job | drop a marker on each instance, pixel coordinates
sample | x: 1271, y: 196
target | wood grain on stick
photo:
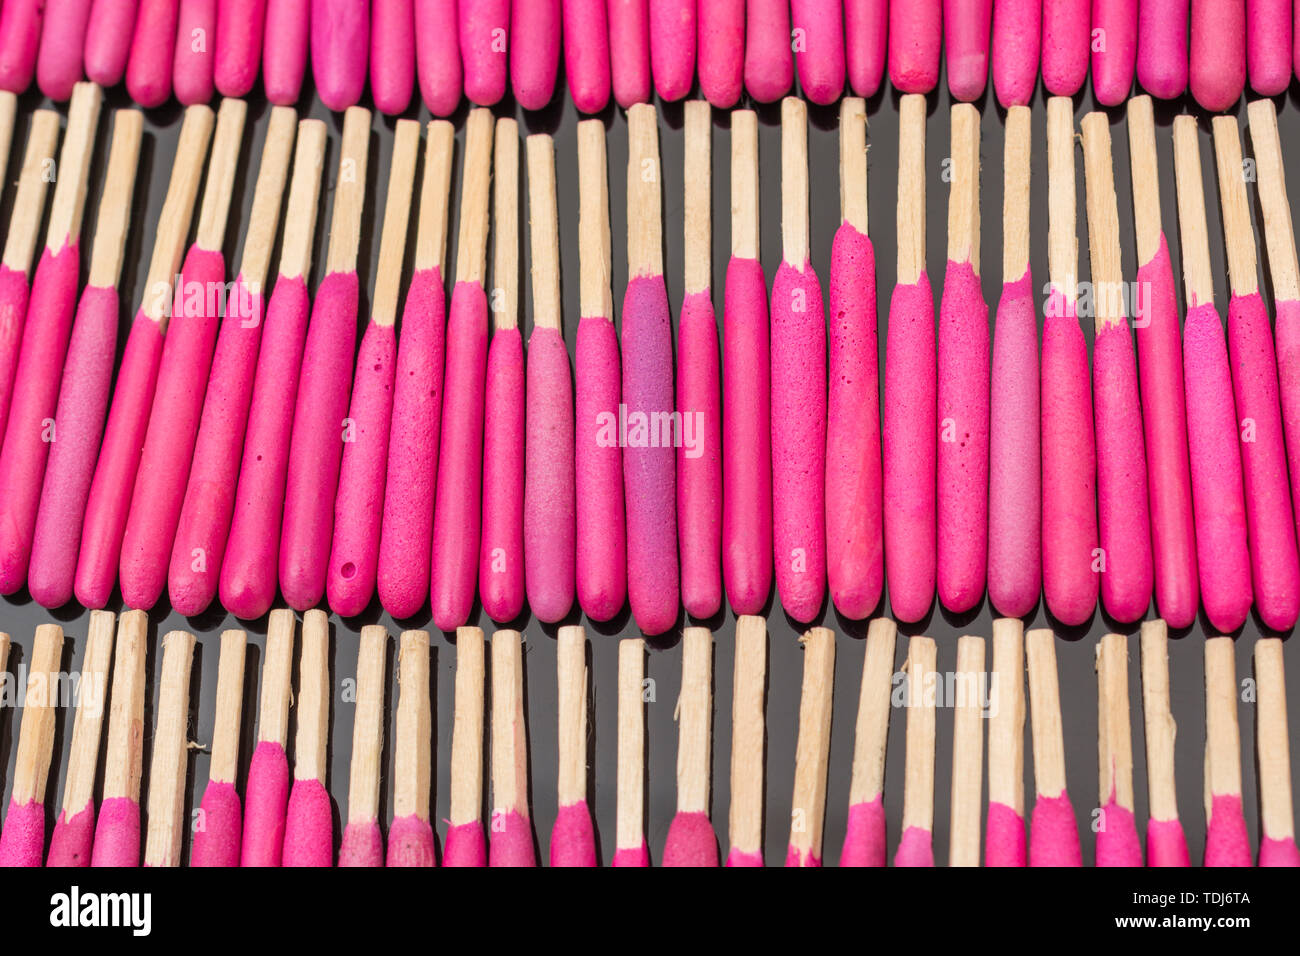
x: 467, y: 729
x: 1271, y: 740
x: 1016, y: 151
x: 69, y: 203
x: 967, y: 754
x: 794, y: 182
x: 1114, y: 729
x: 964, y: 191
x: 40, y: 717
x: 695, y: 721
x: 697, y: 215
x: 509, y: 725
x: 475, y: 192
x: 368, y: 725
x: 1222, y: 736
x: 8, y: 111
x: 277, y: 677
x: 544, y: 233
x: 1062, y: 199
x: 744, y: 184
x: 1007, y: 715
x: 349, y: 193
x: 223, y: 164
x: 911, y: 188
x: 1146, y: 177
x: 33, y: 181
x: 268, y: 195
x: 571, y: 697
x: 304, y: 198
x: 853, y: 163
x: 871, y: 734
x: 1045, y: 713
x: 505, y: 227
x: 1158, y: 719
x: 1271, y: 186
x: 435, y: 187
x: 311, y: 742
x: 1238, y: 234
x: 397, y: 212
x: 170, y: 757
x: 1194, y: 236
x: 812, y: 749
x: 644, y: 219
x: 1103, y: 221
x: 113, y: 219
x: 412, y: 756
x: 92, y: 698
x: 595, y: 294
x: 918, y: 768
x: 748, y: 722
x: 124, y: 752
x: 629, y: 828
x: 224, y: 765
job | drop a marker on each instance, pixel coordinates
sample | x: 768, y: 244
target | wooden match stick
x: 363, y: 843
x: 911, y: 189
x: 69, y: 201
x: 629, y: 837
x: 309, y: 821
x: 1283, y: 265
x: 812, y: 750
x: 75, y: 827
x: 964, y: 192
x: 23, y: 839
x: 217, y: 842
x: 113, y: 217
x: 512, y: 832
x: 125, y: 431
x: 170, y: 756
x: 268, y: 774
x: 691, y: 840
x: 1226, y: 839
x: 1103, y: 221
x: 1277, y: 845
x: 967, y: 754
x: 410, y: 838
x: 748, y: 720
x: 8, y: 111
x: 465, y: 844
x: 1062, y: 200
x: 1053, y: 832
x: 853, y: 163
x: 358, y: 509
x: 1015, y: 194
x: 595, y: 293
x: 1005, y: 840
x: 1117, y: 839
x: 573, y: 841
x: 1198, y: 277
x: 501, y: 554
x: 117, y: 827
x: 1166, y: 844
x: 1239, y: 234
x: 915, y: 848
x: 864, y: 841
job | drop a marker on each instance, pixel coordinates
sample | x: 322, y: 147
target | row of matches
x: 287, y: 819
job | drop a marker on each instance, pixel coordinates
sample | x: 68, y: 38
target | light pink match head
x: 915, y: 848
x: 511, y: 843
x: 410, y: 842
x: 465, y: 845
x: 73, y: 838
x: 631, y: 856
x: 363, y: 845
x: 217, y: 843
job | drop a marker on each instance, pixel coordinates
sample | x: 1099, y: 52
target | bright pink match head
x: 73, y: 838
x: 573, y: 840
x: 22, y: 842
x: 465, y: 845
x: 217, y: 842
x: 410, y: 842
x: 1226, y: 840
x: 363, y: 845
x: 309, y: 826
x: 864, y: 839
x: 1004, y: 839
x: 512, y: 840
x: 266, y: 797
x: 117, y: 833
x: 1166, y: 844
x: 691, y: 841
x: 1053, y: 833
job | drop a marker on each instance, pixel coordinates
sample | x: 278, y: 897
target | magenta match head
x: 866, y: 31
x: 392, y: 55
x: 915, y: 848
x: 192, y: 69
x: 573, y: 840
x: 73, y: 838
x: 284, y: 56
x: 1226, y: 840
x: 549, y: 503
x: 864, y: 840
x: 722, y: 51
x: 821, y: 60
x: 1268, y: 45
x: 915, y: 43
x: 22, y: 842
x: 1117, y: 840
x: 58, y: 65
x: 1166, y: 844
x: 266, y: 796
x: 363, y: 845
x: 631, y: 856
x: 1274, y: 852
x: 484, y: 49
x: 1066, y: 45
x: 1162, y: 47
x: 741, y: 858
x: 437, y: 55
x: 535, y: 52
x: 1053, y: 833
x: 1218, y: 58
x: 117, y: 833
x: 340, y: 45
x: 14, y: 290
x: 501, y: 583
x: 1017, y: 39
x: 769, y: 61
x: 108, y: 40
x: 20, y: 31
x: 153, y: 48
x: 512, y: 840
x: 309, y: 826
x: 1112, y: 66
x: 629, y: 51
x: 410, y: 842
x: 239, y: 45
x: 465, y: 845
x: 966, y: 47
x: 691, y: 841
x: 699, y: 457
x: 1004, y: 839
x: 672, y: 47
x: 217, y: 842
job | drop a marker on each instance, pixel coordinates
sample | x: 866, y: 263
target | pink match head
x: 744, y: 858
x: 363, y: 845
x: 1226, y: 840
x: 1053, y: 833
x: 410, y: 842
x: 266, y: 796
x: 73, y: 838
x: 117, y: 833
x: 309, y: 826
x: 864, y: 839
x: 216, y: 843
x: 22, y: 842
x: 1117, y: 840
x: 1004, y: 840
x: 915, y: 848
x: 1274, y: 852
x: 512, y: 840
x: 631, y: 856
x: 691, y: 841
x: 1166, y: 844
x: 465, y: 845
x: 573, y: 840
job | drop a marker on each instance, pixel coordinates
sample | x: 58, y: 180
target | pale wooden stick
x: 1103, y: 221
x: 1278, y: 232
x: 967, y: 755
x: 794, y: 182
x: 1016, y: 150
x: 1159, y: 721
x: 812, y: 750
x: 264, y: 216
x: 224, y: 765
x: 412, y: 760
x: 304, y: 198
x: 509, y: 726
x: 853, y: 163
x: 40, y: 704
x: 277, y: 679
x: 1007, y: 715
x: 871, y: 735
x: 4, y: 638
x: 964, y: 192
x: 571, y: 678
x: 467, y: 730
x: 1062, y: 202
x: 113, y: 219
x: 124, y: 754
x: 629, y: 828
x: 8, y: 111
x: 1222, y: 738
x: 695, y: 721
x: 1045, y: 708
x: 744, y: 184
x: 167, y: 764
x: 1198, y: 278
x: 431, y: 239
x: 1146, y: 177
x: 92, y: 695
x: 475, y: 191
x: 644, y: 225
x: 505, y: 227
x: 311, y: 743
x: 918, y: 768
x: 1114, y: 730
x: 177, y: 212
x: 911, y: 188
x: 69, y: 201
x: 222, y: 166
x: 595, y: 295
x: 697, y: 267
x: 349, y: 193
x: 29, y: 202
x: 1238, y: 234
x: 397, y: 211
x: 544, y: 233
x: 747, y: 734
x: 368, y: 726
x: 1271, y: 741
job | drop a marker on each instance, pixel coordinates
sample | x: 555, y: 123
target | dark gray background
x: 19, y: 615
